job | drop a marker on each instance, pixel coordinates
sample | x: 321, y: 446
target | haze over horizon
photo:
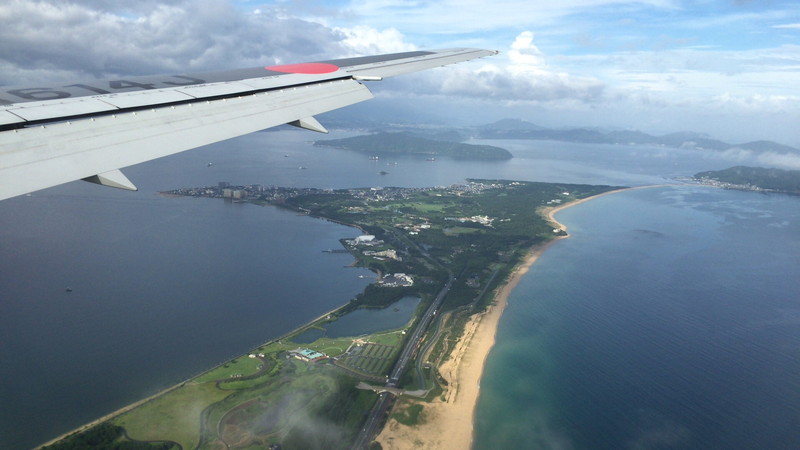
x: 728, y: 68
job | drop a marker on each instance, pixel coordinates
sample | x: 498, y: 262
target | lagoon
x: 364, y: 321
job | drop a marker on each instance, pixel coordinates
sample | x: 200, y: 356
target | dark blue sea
x: 110, y: 296
x: 670, y: 319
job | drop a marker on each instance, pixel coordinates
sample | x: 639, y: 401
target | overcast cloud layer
x: 727, y: 67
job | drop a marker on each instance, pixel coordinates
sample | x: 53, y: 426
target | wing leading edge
x: 53, y: 135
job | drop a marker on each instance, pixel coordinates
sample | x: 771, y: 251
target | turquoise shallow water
x: 670, y: 319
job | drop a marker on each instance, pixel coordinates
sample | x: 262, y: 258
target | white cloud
x: 737, y: 155
x: 364, y: 40
x: 524, y: 79
x: 780, y: 160
x: 170, y: 37
x: 524, y: 56
x: 550, y: 70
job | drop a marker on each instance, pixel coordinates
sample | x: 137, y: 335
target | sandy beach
x: 448, y: 423
x: 463, y: 372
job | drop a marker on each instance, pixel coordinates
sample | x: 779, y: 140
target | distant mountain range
x: 439, y: 144
x: 520, y: 129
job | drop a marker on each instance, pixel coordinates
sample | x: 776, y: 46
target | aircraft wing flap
x: 61, y: 109
x: 27, y: 112
x: 216, y: 89
x: 146, y: 98
x: 7, y: 118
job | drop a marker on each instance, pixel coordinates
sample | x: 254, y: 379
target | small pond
x: 365, y: 321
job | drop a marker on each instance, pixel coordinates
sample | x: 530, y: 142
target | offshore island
x: 455, y: 252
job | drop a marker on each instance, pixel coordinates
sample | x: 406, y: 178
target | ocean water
x: 163, y: 288
x: 670, y: 319
x: 160, y: 289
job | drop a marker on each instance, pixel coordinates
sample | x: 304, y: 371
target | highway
x: 378, y: 412
x: 413, y: 342
x: 373, y: 422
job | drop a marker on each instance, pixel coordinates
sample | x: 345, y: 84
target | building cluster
x: 476, y: 187
x: 247, y: 192
x: 422, y: 223
x: 396, y: 280
x: 379, y: 194
x: 383, y: 254
x: 365, y: 244
x: 366, y: 240
x: 483, y: 220
x: 307, y: 355
x: 236, y: 194
x: 397, y: 193
x: 279, y: 194
x: 369, y: 241
x: 725, y: 185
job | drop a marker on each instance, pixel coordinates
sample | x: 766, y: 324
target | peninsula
x: 753, y: 179
x: 457, y: 249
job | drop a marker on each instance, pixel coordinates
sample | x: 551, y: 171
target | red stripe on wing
x: 304, y: 68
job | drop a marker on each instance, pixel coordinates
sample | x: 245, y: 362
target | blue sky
x: 730, y: 68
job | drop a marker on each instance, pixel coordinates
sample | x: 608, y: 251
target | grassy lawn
x: 456, y: 231
x: 242, y: 366
x: 331, y: 346
x: 409, y: 413
x: 174, y: 417
x: 392, y: 339
x: 424, y: 208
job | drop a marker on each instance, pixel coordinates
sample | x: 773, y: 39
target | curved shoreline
x: 552, y: 211
x: 464, y: 369
x: 466, y: 365
x: 129, y: 407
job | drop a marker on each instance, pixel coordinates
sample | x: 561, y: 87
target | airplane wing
x: 53, y: 135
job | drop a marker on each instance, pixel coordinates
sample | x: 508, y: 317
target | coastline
x: 464, y: 369
x: 129, y: 407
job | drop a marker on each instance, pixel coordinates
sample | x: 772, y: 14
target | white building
x: 364, y: 238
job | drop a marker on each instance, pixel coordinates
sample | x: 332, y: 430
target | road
x: 378, y: 413
x: 413, y: 342
x: 373, y: 423
x: 379, y: 410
